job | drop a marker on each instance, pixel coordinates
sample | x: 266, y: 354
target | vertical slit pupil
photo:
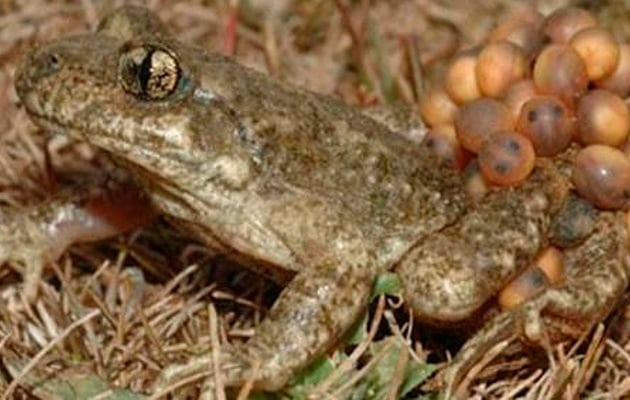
x: 144, y: 72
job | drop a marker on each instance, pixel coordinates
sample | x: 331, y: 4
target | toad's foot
x: 32, y: 237
x: 597, y: 273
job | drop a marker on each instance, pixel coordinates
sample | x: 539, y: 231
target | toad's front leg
x: 313, y: 312
x: 36, y: 235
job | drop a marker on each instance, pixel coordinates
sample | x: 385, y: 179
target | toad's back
x: 317, y: 144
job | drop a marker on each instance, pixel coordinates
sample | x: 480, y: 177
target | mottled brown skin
x: 287, y: 180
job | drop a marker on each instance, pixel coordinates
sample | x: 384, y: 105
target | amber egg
x: 548, y: 123
x: 498, y: 65
x: 518, y: 94
x: 551, y: 262
x: 474, y: 182
x: 574, y: 222
x: 442, y: 142
x: 603, y: 118
x: 619, y: 81
x: 601, y: 175
x: 599, y: 51
x: 437, y: 108
x: 506, y: 158
x: 522, y: 29
x: 460, y: 81
x: 563, y: 23
x: 559, y: 70
x: 522, y: 288
x: 521, y: 16
x: 478, y: 119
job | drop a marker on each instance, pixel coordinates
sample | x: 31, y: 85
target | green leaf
x: 358, y: 332
x: 263, y: 396
x: 78, y: 387
x: 377, y: 383
x: 315, y: 373
x: 415, y: 375
x: 386, y: 283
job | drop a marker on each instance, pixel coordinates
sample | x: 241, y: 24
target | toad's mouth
x: 102, y: 128
x: 125, y: 154
x: 44, y: 115
x: 51, y: 127
x: 146, y: 161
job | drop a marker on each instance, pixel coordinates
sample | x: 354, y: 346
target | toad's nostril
x: 48, y: 63
x: 34, y: 67
x: 53, y: 62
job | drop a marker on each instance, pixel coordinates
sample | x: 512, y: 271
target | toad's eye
x: 149, y: 72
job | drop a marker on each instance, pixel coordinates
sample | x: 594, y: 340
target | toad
x: 293, y: 183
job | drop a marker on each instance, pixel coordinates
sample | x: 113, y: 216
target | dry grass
x: 123, y: 309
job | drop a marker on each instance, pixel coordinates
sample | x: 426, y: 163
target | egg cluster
x: 537, y: 85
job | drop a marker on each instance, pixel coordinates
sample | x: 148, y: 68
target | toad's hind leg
x: 597, y: 275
